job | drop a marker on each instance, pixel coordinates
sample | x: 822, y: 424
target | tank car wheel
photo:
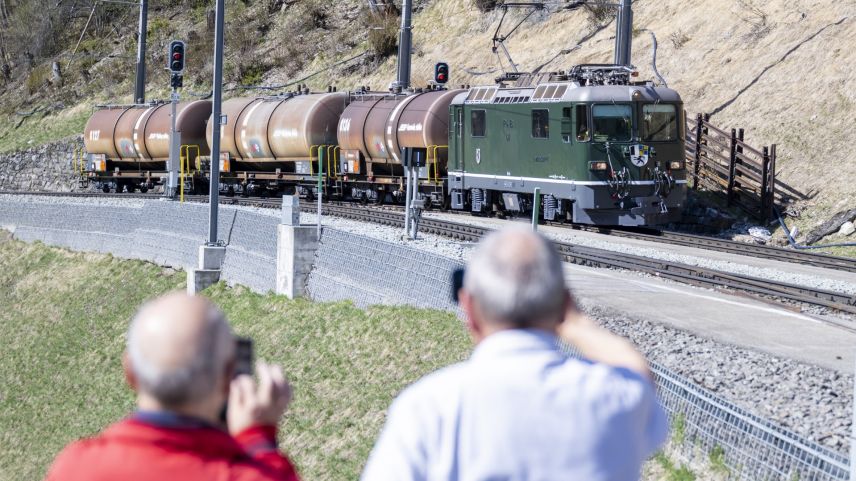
x: 310, y: 196
x: 364, y: 199
x: 105, y: 188
x: 264, y: 194
x: 129, y: 188
x: 381, y: 198
x: 230, y: 191
x: 143, y: 189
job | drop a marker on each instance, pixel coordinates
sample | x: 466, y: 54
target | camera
x: 457, y: 282
x: 243, y: 356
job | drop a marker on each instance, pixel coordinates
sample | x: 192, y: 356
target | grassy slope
x: 62, y: 321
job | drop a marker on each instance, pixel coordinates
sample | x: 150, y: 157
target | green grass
x: 716, y: 456
x: 40, y: 129
x: 63, y: 317
x: 672, y: 472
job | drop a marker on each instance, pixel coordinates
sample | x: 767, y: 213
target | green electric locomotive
x: 601, y: 148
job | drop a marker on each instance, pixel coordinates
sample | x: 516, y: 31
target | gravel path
x: 811, y: 401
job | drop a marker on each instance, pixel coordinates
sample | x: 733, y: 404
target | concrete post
x: 208, y: 270
x: 295, y: 254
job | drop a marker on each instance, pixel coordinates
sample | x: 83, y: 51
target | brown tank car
x: 276, y: 133
x: 374, y: 129
x: 140, y: 135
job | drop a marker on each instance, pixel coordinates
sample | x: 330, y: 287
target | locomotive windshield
x: 612, y: 123
x: 659, y: 123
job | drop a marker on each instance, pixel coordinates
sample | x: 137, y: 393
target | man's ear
x: 130, y: 378
x: 472, y: 314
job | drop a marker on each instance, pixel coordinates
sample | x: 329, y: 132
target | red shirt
x: 140, y: 450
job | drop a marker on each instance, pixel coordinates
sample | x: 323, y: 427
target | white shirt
x: 520, y: 409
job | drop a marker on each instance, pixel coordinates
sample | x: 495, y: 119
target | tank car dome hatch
x: 142, y: 133
x: 379, y: 127
x: 279, y: 129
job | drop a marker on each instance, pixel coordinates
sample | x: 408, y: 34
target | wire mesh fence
x: 752, y: 447
x: 368, y: 271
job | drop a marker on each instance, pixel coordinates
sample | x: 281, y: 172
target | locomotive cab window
x: 477, y: 123
x: 583, y: 128
x: 612, y: 123
x: 659, y: 123
x: 567, y: 126
x: 541, y: 124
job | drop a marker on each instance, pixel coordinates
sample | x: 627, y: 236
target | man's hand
x: 264, y: 405
x: 599, y: 345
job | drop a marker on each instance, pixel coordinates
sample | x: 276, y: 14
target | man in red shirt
x: 180, y: 361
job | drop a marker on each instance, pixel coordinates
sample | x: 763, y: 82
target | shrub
x: 383, y: 34
x: 599, y: 15
x: 38, y: 78
x: 485, y: 5
x: 679, y: 39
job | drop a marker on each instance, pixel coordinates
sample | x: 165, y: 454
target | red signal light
x: 176, y: 56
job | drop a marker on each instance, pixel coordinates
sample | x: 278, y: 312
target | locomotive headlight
x: 598, y: 166
x: 677, y: 165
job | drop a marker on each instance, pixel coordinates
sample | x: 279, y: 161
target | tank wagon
x: 375, y: 128
x: 271, y: 142
x: 601, y: 149
x: 128, y: 146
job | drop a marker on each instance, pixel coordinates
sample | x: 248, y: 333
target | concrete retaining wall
x: 347, y: 266
x: 166, y: 233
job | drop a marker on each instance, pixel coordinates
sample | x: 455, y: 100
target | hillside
x: 779, y: 69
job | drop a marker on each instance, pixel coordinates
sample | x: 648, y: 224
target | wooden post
x: 765, y: 174
x: 772, y: 184
x: 732, y: 167
x: 697, y: 164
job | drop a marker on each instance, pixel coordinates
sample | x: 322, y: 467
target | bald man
x: 180, y: 360
x: 520, y: 408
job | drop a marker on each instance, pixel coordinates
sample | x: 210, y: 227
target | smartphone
x: 244, y: 356
x: 457, y: 282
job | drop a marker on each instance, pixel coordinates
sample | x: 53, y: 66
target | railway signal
x: 175, y: 65
x: 176, y: 57
x: 441, y: 73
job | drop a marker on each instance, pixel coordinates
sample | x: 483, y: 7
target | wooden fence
x: 722, y: 162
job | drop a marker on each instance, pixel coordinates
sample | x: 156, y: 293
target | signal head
x: 176, y: 57
x: 441, y: 73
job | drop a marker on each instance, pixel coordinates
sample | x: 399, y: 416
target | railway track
x: 764, y: 289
